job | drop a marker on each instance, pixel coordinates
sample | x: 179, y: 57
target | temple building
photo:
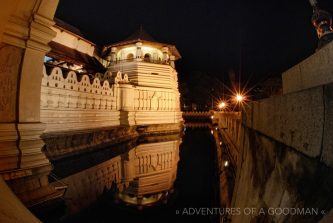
x: 132, y: 82
x: 89, y: 100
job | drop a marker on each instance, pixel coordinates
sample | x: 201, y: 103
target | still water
x: 153, y: 179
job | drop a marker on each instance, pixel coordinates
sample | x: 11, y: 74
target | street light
x: 239, y: 97
x: 222, y: 105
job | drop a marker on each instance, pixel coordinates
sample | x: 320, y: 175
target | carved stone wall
x: 69, y: 102
x: 10, y: 57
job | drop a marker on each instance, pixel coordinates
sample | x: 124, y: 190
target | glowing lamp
x: 239, y: 98
x: 222, y: 105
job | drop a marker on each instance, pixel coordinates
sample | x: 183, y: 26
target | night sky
x: 213, y: 36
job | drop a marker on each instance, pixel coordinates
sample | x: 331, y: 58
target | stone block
x: 10, y: 58
x: 301, y: 121
x: 31, y: 145
x: 295, y: 119
x: 8, y: 149
x: 314, y: 71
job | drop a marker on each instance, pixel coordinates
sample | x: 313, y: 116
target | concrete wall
x: 314, y: 71
x: 285, y: 155
x: 274, y: 175
x: 302, y: 120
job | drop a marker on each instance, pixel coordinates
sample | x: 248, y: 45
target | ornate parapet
x: 70, y: 101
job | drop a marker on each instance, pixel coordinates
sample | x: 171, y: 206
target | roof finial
x: 140, y: 31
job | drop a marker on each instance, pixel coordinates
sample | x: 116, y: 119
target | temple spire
x: 322, y: 21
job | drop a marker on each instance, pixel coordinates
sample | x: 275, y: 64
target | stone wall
x: 75, y: 102
x: 314, y: 71
x: 285, y: 156
x: 302, y: 120
x: 226, y: 128
x: 83, y: 114
x: 274, y: 175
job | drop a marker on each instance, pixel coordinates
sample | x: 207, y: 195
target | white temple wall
x: 70, y: 104
x: 73, y: 41
x: 148, y: 74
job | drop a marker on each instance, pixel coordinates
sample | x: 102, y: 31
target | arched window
x: 130, y: 56
x: 147, y: 57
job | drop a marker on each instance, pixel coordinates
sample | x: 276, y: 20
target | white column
x: 113, y: 54
x: 165, y: 51
x: 172, y: 61
x: 138, y: 50
x: 20, y: 127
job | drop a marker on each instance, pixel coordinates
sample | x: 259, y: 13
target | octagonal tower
x: 146, y: 61
x: 150, y: 66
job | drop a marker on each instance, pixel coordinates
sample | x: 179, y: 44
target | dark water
x: 181, y: 172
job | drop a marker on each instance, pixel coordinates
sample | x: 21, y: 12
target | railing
x: 147, y: 60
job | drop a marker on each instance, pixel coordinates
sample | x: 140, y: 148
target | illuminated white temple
x: 133, y: 83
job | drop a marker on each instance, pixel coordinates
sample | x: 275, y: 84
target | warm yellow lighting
x: 222, y: 105
x: 226, y: 163
x: 239, y: 97
x: 212, y: 117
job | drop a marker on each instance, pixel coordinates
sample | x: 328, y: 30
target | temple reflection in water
x: 139, y: 180
x: 141, y: 176
x: 149, y: 171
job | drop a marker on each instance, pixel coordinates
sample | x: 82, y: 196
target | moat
x: 150, y: 179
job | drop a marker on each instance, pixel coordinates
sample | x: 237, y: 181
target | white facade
x: 73, y: 41
x: 68, y: 103
x: 135, y: 91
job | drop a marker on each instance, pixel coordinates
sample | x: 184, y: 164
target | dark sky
x: 266, y: 37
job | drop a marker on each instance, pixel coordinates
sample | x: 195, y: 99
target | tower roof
x: 142, y: 36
